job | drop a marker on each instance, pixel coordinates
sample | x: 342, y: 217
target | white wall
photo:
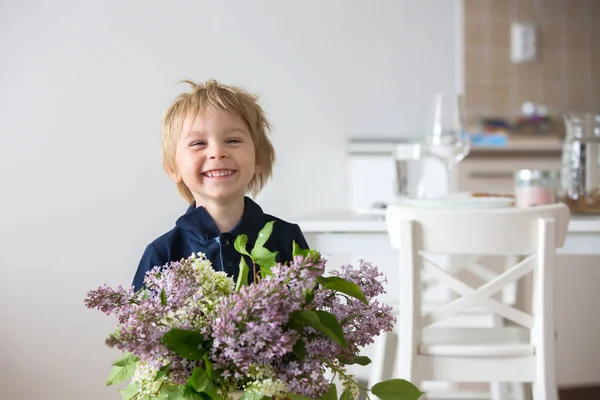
x: 82, y: 89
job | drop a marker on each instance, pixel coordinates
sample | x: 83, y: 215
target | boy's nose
x: 217, y: 152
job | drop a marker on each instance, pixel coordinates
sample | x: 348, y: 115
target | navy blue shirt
x: 196, y: 231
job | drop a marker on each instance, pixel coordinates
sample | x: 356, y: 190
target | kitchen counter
x: 583, y: 232
x: 351, y: 221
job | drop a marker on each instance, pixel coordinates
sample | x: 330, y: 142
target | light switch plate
x: 523, y: 42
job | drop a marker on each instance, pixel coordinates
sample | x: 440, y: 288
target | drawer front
x: 497, y: 174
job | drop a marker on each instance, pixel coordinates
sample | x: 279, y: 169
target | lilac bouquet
x: 194, y: 334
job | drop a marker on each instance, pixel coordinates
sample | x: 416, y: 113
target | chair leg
x: 544, y: 390
x: 499, y: 391
x: 520, y: 391
x: 544, y: 387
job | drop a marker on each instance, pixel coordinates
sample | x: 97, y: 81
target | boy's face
x: 215, y: 157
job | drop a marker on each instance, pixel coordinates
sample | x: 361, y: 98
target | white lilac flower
x: 267, y: 387
x: 144, y: 377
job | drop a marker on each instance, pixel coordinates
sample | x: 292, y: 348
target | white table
x: 343, y: 236
x: 340, y: 227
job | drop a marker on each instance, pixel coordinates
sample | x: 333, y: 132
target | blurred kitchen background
x: 83, y: 86
x: 564, y: 74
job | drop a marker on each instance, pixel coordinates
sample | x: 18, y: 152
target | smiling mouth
x: 218, y: 173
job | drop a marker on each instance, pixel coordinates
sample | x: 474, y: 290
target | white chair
x: 523, y: 353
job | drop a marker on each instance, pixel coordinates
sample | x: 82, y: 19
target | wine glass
x: 447, y: 139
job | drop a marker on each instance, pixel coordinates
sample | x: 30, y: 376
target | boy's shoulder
x: 279, y: 221
x: 164, y: 242
x: 258, y: 218
x: 169, y: 236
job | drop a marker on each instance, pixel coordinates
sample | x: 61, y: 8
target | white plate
x: 458, y: 201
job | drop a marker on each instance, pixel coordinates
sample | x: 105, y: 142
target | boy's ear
x: 257, y: 168
x: 175, y: 176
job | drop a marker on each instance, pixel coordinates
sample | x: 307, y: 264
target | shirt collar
x: 198, y: 222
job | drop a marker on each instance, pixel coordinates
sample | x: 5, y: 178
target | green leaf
x: 264, y: 257
x: 120, y: 374
x: 298, y: 397
x: 242, y: 279
x: 240, y: 244
x: 264, y: 234
x: 129, y: 392
x: 162, y: 372
x: 299, y: 349
x: 330, y: 321
x: 202, y: 383
x: 188, y: 344
x: 145, y: 295
x: 309, y: 296
x: 163, y: 297
x: 347, y: 395
x: 190, y: 394
x: 126, y: 359
x: 322, y: 321
x: 265, y: 271
x: 342, y: 285
x: 332, y: 394
x: 360, y: 360
x: 208, y: 365
x: 170, y: 392
x: 396, y: 389
x: 306, y: 253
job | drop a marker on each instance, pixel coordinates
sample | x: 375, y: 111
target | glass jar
x: 580, y: 178
x: 534, y: 188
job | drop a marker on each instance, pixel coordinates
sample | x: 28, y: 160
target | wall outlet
x: 523, y: 42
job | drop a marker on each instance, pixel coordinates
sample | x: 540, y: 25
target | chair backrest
x: 493, y: 231
x: 535, y: 232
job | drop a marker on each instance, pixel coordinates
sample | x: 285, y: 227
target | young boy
x: 215, y: 148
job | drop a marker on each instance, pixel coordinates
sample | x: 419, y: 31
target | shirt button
x: 226, y: 242
x: 229, y: 263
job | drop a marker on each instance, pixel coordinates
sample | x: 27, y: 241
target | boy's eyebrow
x: 201, y: 132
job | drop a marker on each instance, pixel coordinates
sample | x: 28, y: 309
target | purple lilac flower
x: 190, y: 287
x: 249, y: 327
x: 360, y: 322
x: 306, y: 378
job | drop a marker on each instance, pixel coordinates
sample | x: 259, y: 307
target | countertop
x: 355, y: 222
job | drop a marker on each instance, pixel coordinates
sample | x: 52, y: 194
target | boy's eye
x: 199, y: 143
x: 234, y: 141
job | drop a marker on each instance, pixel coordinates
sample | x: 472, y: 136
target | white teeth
x: 214, y: 174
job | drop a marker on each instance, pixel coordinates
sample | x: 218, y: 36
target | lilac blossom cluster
x: 360, y: 322
x: 250, y: 328
x: 191, y: 290
x: 253, y: 342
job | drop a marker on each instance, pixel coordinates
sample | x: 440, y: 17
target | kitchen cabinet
x: 492, y: 170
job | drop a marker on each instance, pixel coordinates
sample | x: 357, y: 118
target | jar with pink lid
x: 534, y: 188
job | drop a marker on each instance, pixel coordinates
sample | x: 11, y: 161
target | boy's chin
x: 221, y: 198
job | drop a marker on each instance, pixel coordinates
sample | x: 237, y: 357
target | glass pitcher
x: 580, y: 173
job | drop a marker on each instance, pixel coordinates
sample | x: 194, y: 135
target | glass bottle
x: 580, y: 177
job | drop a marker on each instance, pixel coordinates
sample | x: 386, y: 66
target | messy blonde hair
x: 212, y: 95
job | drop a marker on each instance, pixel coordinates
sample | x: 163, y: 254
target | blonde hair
x: 212, y: 95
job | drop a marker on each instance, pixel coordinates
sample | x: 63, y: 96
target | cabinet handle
x: 491, y: 175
